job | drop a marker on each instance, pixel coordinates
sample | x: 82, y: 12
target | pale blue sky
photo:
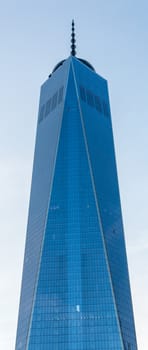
x: 34, y: 36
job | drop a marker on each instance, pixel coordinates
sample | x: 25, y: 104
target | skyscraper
x: 75, y: 289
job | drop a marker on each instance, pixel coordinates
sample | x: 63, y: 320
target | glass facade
x: 75, y: 288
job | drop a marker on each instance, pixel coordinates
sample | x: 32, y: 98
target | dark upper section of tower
x: 73, y: 51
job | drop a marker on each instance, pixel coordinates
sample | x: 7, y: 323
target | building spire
x: 73, y: 40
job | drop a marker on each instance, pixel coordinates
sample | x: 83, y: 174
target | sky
x: 34, y: 36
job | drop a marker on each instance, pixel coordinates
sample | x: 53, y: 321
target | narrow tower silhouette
x: 75, y: 289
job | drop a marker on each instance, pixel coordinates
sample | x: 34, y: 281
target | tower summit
x: 75, y: 291
x: 73, y: 52
x: 73, y: 41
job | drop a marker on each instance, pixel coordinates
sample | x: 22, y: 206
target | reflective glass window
x: 82, y: 93
x: 54, y: 101
x: 60, y: 95
x: 41, y: 113
x: 98, y: 104
x: 106, y: 109
x: 90, y: 98
x: 48, y: 107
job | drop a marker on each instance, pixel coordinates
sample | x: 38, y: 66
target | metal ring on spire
x: 73, y: 40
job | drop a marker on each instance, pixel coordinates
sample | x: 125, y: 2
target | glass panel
x: 54, y: 101
x: 98, y: 104
x: 106, y: 109
x: 60, y: 96
x: 90, y: 98
x: 41, y: 113
x: 48, y: 107
x: 82, y: 93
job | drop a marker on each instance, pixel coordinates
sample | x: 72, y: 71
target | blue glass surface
x: 74, y: 304
x: 43, y: 169
x: 75, y: 289
x: 102, y: 156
